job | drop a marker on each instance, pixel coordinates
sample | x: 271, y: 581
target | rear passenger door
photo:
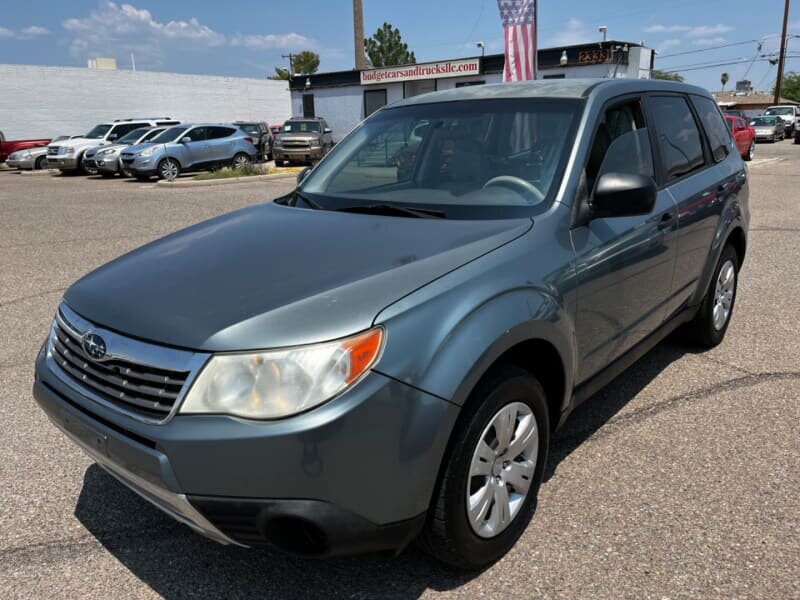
x: 624, y: 265
x: 696, y: 165
x: 220, y: 143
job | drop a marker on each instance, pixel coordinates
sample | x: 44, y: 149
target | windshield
x: 98, y: 132
x: 781, y: 110
x: 301, y: 127
x: 169, y: 135
x: 132, y: 136
x: 471, y: 159
x: 763, y: 121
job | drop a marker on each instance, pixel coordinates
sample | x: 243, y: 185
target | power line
x: 722, y: 64
x: 707, y: 49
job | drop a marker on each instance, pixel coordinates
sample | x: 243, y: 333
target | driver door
x: 624, y: 265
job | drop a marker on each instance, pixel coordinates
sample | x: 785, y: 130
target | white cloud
x: 574, y: 31
x: 700, y: 31
x: 117, y: 30
x: 271, y: 41
x: 24, y: 34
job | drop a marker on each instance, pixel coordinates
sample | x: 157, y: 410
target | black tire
x: 106, y: 174
x: 750, y: 151
x: 240, y: 159
x: 41, y: 163
x: 167, y: 167
x: 701, y: 330
x: 448, y: 534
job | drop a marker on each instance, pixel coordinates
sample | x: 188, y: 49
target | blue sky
x: 247, y: 37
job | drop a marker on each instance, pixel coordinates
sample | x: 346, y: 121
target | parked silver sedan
x: 33, y: 158
x: 105, y: 159
x: 768, y: 128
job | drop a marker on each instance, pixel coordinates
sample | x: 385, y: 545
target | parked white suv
x: 789, y: 114
x: 68, y: 155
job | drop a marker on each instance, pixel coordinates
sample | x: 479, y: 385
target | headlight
x: 148, y: 151
x: 106, y: 152
x: 279, y: 383
x: 25, y: 154
x: 277, y: 142
x: 69, y: 150
x: 315, y: 143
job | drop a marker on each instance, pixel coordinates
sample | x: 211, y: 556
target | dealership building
x: 344, y: 98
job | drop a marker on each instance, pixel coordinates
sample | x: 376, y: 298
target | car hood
x: 272, y: 276
x: 135, y: 148
x: 80, y: 143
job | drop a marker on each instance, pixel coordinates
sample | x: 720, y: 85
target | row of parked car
x: 774, y: 125
x: 164, y: 147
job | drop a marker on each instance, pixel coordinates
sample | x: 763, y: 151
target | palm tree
x: 724, y: 79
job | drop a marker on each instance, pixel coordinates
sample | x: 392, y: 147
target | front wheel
x: 487, y: 490
x: 41, y: 163
x: 169, y: 169
x: 708, y: 327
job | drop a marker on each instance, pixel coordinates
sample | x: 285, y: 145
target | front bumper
x: 297, y: 154
x: 63, y: 163
x: 100, y: 163
x: 353, y: 475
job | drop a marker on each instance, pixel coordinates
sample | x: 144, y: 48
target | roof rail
x: 143, y: 119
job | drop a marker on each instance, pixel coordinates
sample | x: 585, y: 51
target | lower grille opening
x: 296, y: 535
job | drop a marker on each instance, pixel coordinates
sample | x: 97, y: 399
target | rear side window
x: 678, y: 137
x: 215, y: 133
x: 718, y: 137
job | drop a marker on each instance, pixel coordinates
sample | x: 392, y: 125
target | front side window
x: 718, y: 137
x: 471, y: 159
x: 678, y: 136
x: 173, y: 134
x: 133, y: 136
x: 198, y: 134
x: 621, y: 144
x: 124, y: 129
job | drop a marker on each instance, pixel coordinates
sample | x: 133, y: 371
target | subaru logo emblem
x: 94, y: 346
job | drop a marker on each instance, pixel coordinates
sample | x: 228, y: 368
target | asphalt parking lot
x: 680, y: 479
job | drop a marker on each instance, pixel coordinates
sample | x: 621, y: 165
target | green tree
x: 790, y: 86
x: 305, y: 62
x: 666, y: 75
x: 723, y: 79
x: 386, y: 48
x: 280, y: 74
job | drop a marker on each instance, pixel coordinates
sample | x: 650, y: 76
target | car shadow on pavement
x: 178, y: 563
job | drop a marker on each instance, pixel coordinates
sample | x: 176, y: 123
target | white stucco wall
x: 49, y: 101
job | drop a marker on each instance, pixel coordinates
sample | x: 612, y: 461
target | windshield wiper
x: 394, y: 210
x: 291, y: 200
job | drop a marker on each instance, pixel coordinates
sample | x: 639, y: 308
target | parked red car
x: 744, y: 135
x: 7, y: 148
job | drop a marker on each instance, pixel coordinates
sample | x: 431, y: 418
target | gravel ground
x: 680, y: 479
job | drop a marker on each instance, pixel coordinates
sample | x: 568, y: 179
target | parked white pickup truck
x: 789, y: 114
x: 68, y: 155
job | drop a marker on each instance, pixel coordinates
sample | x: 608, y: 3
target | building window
x: 421, y: 86
x: 468, y: 83
x: 373, y: 100
x: 308, y: 106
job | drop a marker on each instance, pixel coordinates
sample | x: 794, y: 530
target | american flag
x: 519, y: 24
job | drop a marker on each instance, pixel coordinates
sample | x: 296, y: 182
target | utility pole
x: 358, y: 35
x: 290, y: 56
x: 782, y: 55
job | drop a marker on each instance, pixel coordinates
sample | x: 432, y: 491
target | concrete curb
x: 27, y: 173
x: 181, y: 183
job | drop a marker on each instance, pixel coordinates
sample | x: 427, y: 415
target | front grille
x: 288, y: 144
x: 134, y: 387
x: 53, y: 150
x: 128, y: 161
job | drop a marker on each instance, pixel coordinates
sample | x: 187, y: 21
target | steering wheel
x: 526, y: 188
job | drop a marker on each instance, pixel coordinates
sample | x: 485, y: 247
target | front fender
x: 444, y: 337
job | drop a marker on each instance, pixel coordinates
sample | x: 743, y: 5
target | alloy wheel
x: 723, y: 295
x: 502, y: 469
x: 169, y: 169
x: 240, y: 160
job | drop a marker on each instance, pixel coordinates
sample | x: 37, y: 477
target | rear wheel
x: 169, y: 169
x: 240, y: 161
x: 708, y: 327
x: 487, y: 490
x: 751, y: 151
x: 41, y: 163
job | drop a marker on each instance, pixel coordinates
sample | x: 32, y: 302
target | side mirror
x: 326, y: 130
x: 623, y: 195
x: 186, y: 140
x: 302, y: 175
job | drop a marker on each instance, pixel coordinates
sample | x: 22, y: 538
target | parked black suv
x: 262, y: 137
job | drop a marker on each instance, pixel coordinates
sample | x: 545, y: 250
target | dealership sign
x: 448, y: 68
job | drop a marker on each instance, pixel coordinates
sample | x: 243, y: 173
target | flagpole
x: 535, y: 39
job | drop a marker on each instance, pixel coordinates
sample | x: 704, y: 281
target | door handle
x: 666, y: 221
